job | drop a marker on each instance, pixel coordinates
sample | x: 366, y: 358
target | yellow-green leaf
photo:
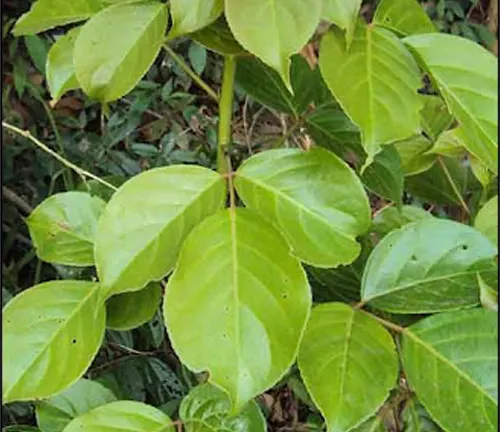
x: 405, y: 17
x: 487, y: 220
x: 190, y: 16
x: 344, y: 14
x: 51, y: 333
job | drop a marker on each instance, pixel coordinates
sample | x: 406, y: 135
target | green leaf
x: 188, y: 17
x: 435, y: 116
x: 140, y: 234
x: 218, y: 38
x: 263, y: 28
x: 342, y: 350
x: 321, y: 227
x: 51, y: 333
x: 487, y: 220
x: 130, y: 310
x: 417, y: 419
x: 47, y: 14
x: 459, y: 352
x: 38, y: 48
x: 471, y: 93
x: 20, y: 428
x: 344, y: 14
x: 95, y: 188
x: 63, y: 228
x: 488, y: 295
x: 450, y: 144
x: 414, y: 155
x: 373, y: 424
x: 391, y: 218
x: 427, y: 266
x: 61, y: 75
x: 117, y: 46
x: 377, y: 90
x: 197, y: 57
x: 122, y: 416
x: 207, y: 409
x: 237, y: 296
x: 385, y: 176
x: 480, y: 171
x: 404, y: 17
x: 55, y: 413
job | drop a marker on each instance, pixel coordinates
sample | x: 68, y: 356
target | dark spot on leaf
x: 73, y: 341
x: 284, y: 295
x: 387, y: 19
x: 413, y: 258
x: 465, y: 247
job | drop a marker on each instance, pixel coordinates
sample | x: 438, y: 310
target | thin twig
x: 192, y: 74
x: 453, y: 186
x: 45, y: 148
x: 384, y: 322
x: 16, y: 199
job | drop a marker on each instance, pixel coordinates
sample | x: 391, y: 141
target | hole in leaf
x: 465, y: 247
x: 73, y: 341
x: 413, y: 258
x: 284, y: 295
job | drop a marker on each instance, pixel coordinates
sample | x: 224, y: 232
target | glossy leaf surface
x: 404, y: 17
x: 190, y: 16
x: 61, y: 76
x: 131, y: 309
x: 458, y: 351
x: 55, y: 413
x: 51, y: 333
x: 47, y: 14
x: 470, y: 93
x: 117, y: 46
x: 63, y: 228
x: 344, y: 14
x: 237, y: 303
x: 343, y: 350
x: 321, y: 227
x: 207, y: 409
x: 487, y: 220
x: 122, y: 416
x: 427, y: 266
x: 144, y: 245
x: 384, y: 102
x: 263, y: 28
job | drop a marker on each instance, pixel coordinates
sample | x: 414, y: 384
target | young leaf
x: 385, y: 176
x: 343, y: 350
x: 140, y: 234
x: 427, y: 266
x: 450, y: 144
x: 453, y: 357
x: 218, y: 38
x: 377, y: 90
x: 263, y: 28
x: 470, y: 93
x: 63, y: 228
x: 321, y: 227
x: 55, y: 413
x: 117, y: 46
x: 207, y: 409
x: 414, y: 155
x: 237, y: 295
x: 404, y: 17
x: 417, y: 419
x: 51, y: 333
x: 127, y: 311
x: 487, y: 220
x: 61, y: 76
x: 123, y: 416
x: 392, y: 218
x: 47, y: 14
x: 435, y: 116
x: 344, y: 14
x: 190, y: 16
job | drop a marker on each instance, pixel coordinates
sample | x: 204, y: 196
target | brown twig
x: 16, y: 199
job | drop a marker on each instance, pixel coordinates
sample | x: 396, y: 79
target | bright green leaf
x: 122, y: 416
x: 414, y: 155
x: 453, y: 357
x: 190, y: 16
x: 488, y: 294
x: 404, y: 17
x: 140, y: 234
x: 218, y: 38
x: 207, y: 409
x: 344, y: 14
x: 377, y: 90
x: 47, y: 14
x: 373, y: 424
x: 55, y: 413
x: 130, y: 310
x: 61, y: 76
x: 480, y: 171
x: 470, y: 93
x: 427, y: 266
x: 417, y: 419
x: 263, y: 28
x: 342, y: 351
x: 117, y: 46
x: 237, y: 303
x: 487, y: 220
x: 391, y: 218
x: 321, y: 227
x: 449, y: 143
x: 51, y: 333
x: 63, y: 228
x: 435, y: 116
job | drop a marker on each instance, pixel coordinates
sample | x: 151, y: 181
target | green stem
x: 453, y: 186
x: 226, y: 114
x: 194, y: 76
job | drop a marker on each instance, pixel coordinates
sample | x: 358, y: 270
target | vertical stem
x: 463, y: 204
x: 225, y: 113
